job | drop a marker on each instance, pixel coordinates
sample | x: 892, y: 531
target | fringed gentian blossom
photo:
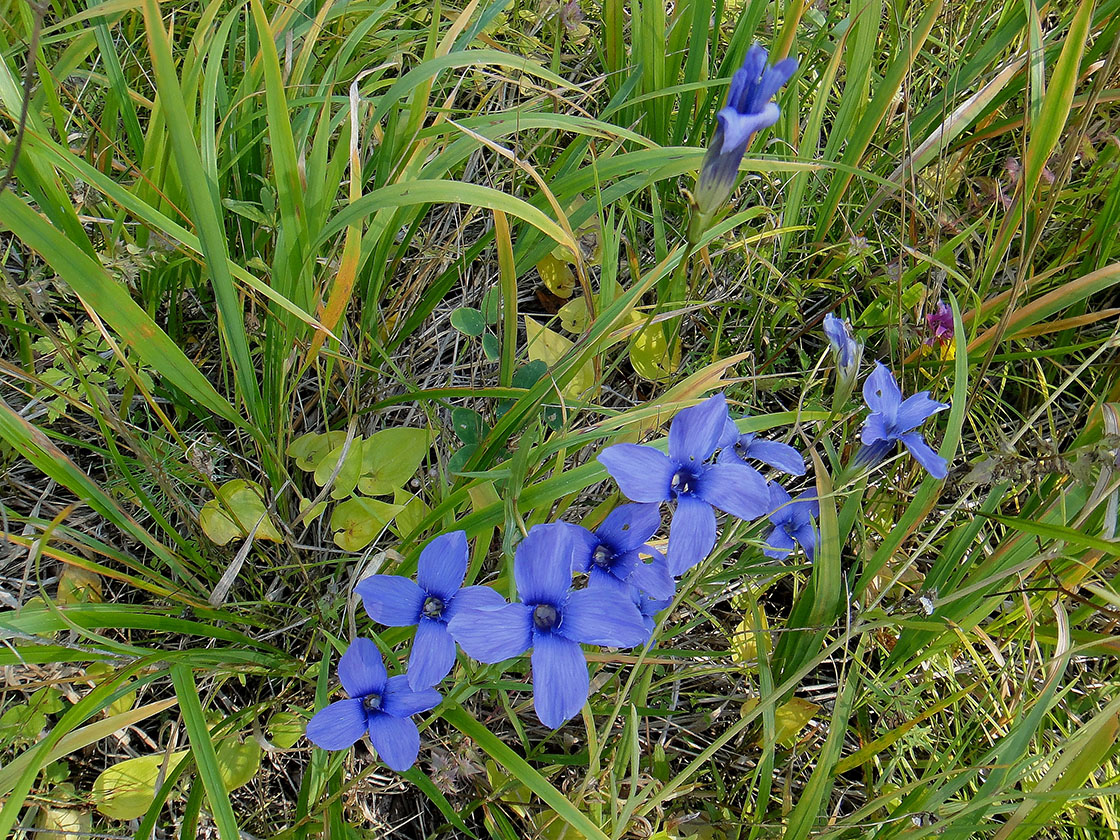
x: 892, y: 421
x: 794, y: 523
x: 553, y: 620
x: 378, y: 704
x: 617, y: 549
x: 748, y: 111
x: 736, y: 448
x: 645, y: 474
x: 398, y: 602
x: 848, y: 351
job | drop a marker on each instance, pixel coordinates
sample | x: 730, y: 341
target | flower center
x: 602, y: 557
x: 545, y: 617
x: 683, y: 483
x: 789, y: 527
x: 372, y: 702
x: 433, y: 607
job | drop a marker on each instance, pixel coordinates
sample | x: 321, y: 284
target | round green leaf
x: 308, y: 450
x: 392, y: 457
x: 126, y: 790
x: 348, y: 473
x: 468, y: 320
x: 245, y: 501
x: 491, y: 347
x: 468, y: 424
x: 286, y: 728
x: 492, y: 304
x: 238, y: 761
x: 358, y: 521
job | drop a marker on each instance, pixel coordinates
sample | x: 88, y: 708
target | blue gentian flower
x: 617, y: 549
x: 892, y: 421
x: 645, y: 474
x: 748, y: 110
x: 736, y: 448
x: 848, y: 351
x: 794, y: 523
x: 378, y: 704
x: 553, y: 620
x: 398, y: 602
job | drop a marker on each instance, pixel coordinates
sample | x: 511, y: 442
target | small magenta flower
x: 892, y: 421
x: 378, y: 704
x: 940, y: 323
x: 553, y: 620
x: 617, y: 549
x: 794, y: 523
x: 748, y: 110
x: 736, y: 448
x: 645, y: 474
x: 398, y: 602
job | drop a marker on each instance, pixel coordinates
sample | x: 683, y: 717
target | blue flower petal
x: 560, y: 680
x: 934, y: 464
x: 772, y: 79
x: 493, y: 635
x: 649, y: 573
x: 542, y: 565
x: 694, y: 432
x: 780, y: 544
x: 433, y: 654
x: 400, y: 700
x: 391, y: 599
x: 692, y: 534
x: 629, y: 527
x: 473, y: 598
x: 361, y: 670
x: 809, y: 502
x: 780, y: 456
x: 642, y: 473
x: 875, y: 429
x: 443, y: 565
x: 602, y: 579
x: 779, y: 502
x: 584, y: 544
x: 840, y: 337
x: 806, y: 536
x: 601, y: 617
x: 396, y: 739
x: 739, y: 128
x: 730, y: 434
x: 745, y: 79
x: 338, y: 726
x: 915, y: 410
x: 882, y: 394
x: 736, y: 488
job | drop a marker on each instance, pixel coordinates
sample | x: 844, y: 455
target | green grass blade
x: 521, y: 770
x: 206, y: 215
x: 202, y: 748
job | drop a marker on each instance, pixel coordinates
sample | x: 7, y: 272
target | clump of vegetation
x: 576, y: 419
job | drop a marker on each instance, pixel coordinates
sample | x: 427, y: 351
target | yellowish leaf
x: 649, y: 354
x: 358, y: 521
x: 744, y: 639
x: 557, y: 276
x: 549, y: 347
x: 789, y: 718
x: 245, y: 501
x: 78, y: 586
